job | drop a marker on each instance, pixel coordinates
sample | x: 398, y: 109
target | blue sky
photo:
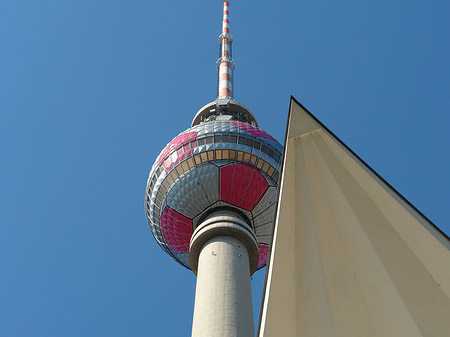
x: 91, y: 91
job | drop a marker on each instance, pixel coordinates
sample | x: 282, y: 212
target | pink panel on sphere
x: 176, y: 229
x: 242, y: 185
x: 263, y: 253
x: 242, y: 177
x: 258, y: 186
x: 173, y: 144
x: 226, y: 182
x: 170, y: 161
x: 255, y: 131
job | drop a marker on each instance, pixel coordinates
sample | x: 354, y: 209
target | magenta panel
x: 242, y: 178
x: 242, y: 185
x: 176, y: 229
x: 169, y: 162
x: 255, y: 131
x: 263, y: 253
x: 172, y: 145
x: 226, y: 182
x: 258, y: 186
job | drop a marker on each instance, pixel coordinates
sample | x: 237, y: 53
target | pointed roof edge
x: 293, y: 99
x: 367, y: 165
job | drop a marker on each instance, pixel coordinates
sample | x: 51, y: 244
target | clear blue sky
x: 92, y: 90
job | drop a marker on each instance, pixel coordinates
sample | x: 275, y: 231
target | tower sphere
x: 222, y: 162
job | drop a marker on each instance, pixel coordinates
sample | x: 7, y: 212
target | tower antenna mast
x: 225, y: 63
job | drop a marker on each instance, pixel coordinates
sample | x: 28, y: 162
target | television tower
x: 210, y: 203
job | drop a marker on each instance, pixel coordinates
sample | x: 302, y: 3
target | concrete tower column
x: 223, y: 254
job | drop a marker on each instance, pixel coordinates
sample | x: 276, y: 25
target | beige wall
x: 350, y: 257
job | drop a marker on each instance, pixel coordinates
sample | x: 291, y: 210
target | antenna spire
x: 225, y: 63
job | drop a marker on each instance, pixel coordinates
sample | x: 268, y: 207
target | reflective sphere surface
x: 213, y: 165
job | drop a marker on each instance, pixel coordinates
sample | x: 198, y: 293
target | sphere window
x: 264, y: 149
x: 173, y: 174
x: 240, y: 156
x: 190, y: 163
x: 260, y: 163
x: 179, y: 170
x: 204, y: 156
x: 242, y: 140
x: 185, y: 166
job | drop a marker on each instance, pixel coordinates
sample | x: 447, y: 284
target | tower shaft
x: 223, y: 253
